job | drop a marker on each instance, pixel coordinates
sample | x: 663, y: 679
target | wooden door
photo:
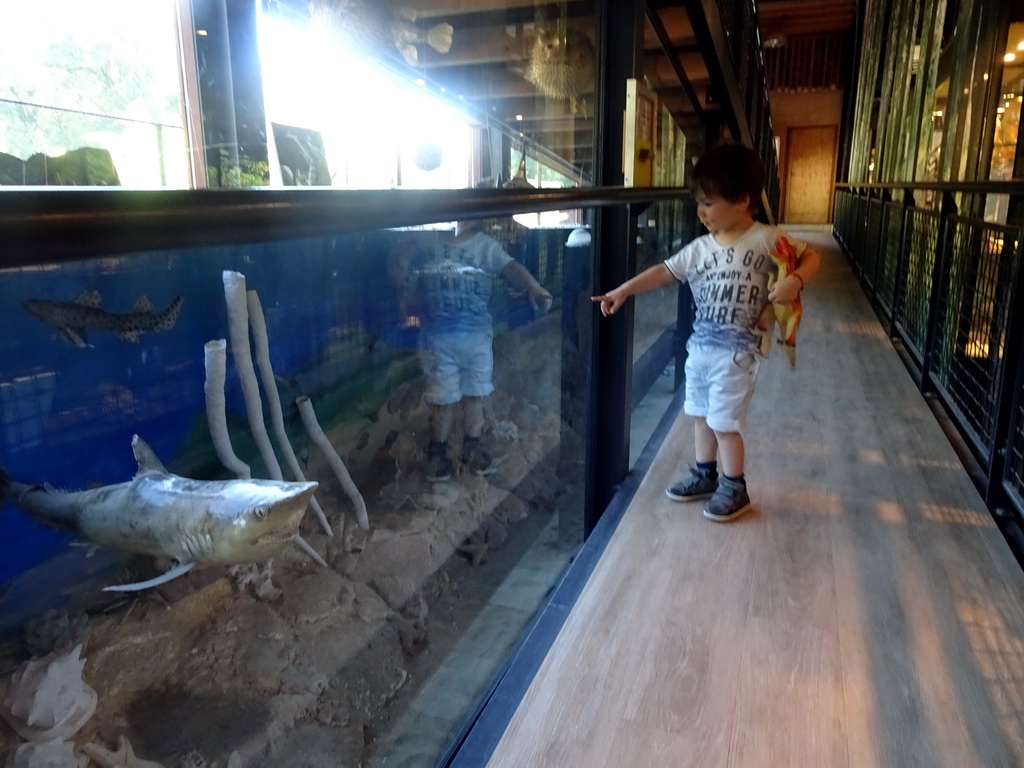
x: 810, y: 159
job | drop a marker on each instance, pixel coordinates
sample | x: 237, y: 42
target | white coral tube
x: 216, y: 416
x: 258, y: 325
x: 238, y: 328
x: 308, y: 549
x: 317, y: 435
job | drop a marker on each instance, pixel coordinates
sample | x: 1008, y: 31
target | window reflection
x: 424, y: 99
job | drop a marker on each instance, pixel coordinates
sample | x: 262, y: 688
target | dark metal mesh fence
x: 869, y: 259
x: 972, y: 320
x: 963, y: 332
x: 914, y: 292
x: 1015, y: 451
x: 889, y: 251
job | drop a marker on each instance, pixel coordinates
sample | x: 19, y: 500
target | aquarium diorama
x: 283, y: 504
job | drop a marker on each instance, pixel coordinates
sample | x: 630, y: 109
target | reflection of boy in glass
x: 449, y: 279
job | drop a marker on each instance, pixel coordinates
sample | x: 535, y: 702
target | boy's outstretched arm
x: 517, y: 274
x: 657, y: 276
x: 789, y: 287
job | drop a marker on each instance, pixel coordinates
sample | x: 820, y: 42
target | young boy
x: 728, y: 270
x: 449, y: 280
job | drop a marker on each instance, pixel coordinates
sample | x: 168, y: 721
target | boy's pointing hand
x: 611, y: 302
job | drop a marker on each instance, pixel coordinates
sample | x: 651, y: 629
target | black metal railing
x: 950, y: 288
x: 36, y: 226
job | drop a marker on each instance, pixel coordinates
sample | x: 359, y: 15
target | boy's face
x: 721, y: 215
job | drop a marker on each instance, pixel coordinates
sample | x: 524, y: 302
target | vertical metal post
x: 620, y: 25
x: 230, y: 87
x: 901, y: 259
x: 883, y: 198
x: 1011, y: 381
x: 943, y: 249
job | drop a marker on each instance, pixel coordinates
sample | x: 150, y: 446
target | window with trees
x: 90, y: 94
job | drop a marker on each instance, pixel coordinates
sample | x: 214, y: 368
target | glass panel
x: 428, y: 98
x: 376, y: 354
x: 90, y: 95
x: 662, y: 230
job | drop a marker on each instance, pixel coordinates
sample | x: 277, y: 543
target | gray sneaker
x: 476, y: 457
x: 699, y: 485
x: 729, y: 502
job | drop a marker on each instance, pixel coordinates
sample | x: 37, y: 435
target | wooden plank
x: 789, y: 707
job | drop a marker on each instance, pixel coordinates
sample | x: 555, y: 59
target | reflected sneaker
x: 475, y: 457
x: 699, y: 485
x: 729, y: 502
x: 439, y: 466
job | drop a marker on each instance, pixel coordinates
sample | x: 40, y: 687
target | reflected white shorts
x: 719, y: 386
x: 456, y: 364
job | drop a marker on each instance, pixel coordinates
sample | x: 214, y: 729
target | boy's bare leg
x: 441, y: 419
x: 703, y: 478
x: 730, y: 500
x: 473, y: 415
x: 730, y: 449
x: 705, y: 441
x: 474, y: 455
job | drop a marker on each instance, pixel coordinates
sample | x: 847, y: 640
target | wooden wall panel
x: 800, y: 110
x: 810, y: 173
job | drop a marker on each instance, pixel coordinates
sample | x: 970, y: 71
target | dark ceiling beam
x: 802, y: 27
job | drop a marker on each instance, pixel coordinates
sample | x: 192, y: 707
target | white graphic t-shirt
x: 729, y: 284
x: 454, y: 282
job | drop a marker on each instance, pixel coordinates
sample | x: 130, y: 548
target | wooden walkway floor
x: 868, y: 614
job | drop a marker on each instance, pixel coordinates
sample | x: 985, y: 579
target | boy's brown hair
x: 730, y: 171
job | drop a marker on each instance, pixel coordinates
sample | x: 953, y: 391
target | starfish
x: 124, y: 757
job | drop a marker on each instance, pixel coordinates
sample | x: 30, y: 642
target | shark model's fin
x: 132, y: 336
x: 145, y: 456
x: 175, y: 572
x: 90, y: 548
x: 166, y: 319
x: 92, y: 299
x: 75, y: 337
x: 142, y: 304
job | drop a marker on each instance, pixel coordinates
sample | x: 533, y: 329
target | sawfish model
x: 74, y: 319
x: 193, y: 522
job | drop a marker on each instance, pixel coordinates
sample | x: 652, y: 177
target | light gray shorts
x: 719, y: 386
x: 457, y: 364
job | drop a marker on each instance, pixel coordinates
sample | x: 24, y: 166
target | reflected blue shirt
x: 454, y: 282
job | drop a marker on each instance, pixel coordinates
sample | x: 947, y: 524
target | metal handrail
x: 1015, y: 187
x: 43, y: 225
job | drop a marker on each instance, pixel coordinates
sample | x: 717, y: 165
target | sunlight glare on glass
x: 366, y: 113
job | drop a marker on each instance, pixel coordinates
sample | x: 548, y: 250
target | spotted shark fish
x: 74, y: 319
x: 191, y: 522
